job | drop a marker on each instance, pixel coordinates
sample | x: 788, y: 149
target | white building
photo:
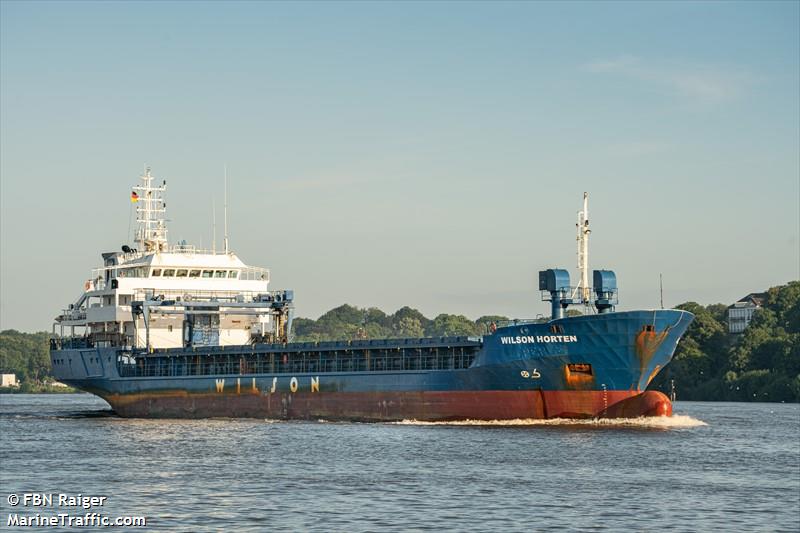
x: 8, y: 380
x: 741, y: 313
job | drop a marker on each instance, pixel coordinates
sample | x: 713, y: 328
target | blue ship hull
x: 585, y: 366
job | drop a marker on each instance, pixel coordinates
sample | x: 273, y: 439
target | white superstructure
x: 158, y: 296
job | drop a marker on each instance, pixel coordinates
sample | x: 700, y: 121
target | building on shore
x: 8, y: 380
x: 741, y: 313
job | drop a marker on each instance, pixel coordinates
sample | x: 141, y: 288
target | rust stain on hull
x: 578, y: 376
x: 647, y: 343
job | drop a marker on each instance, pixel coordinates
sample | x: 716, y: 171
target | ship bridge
x: 154, y: 269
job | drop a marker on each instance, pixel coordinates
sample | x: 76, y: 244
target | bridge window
x: 220, y: 273
x: 233, y: 274
x: 169, y: 272
x: 194, y: 273
x: 208, y: 273
x: 181, y: 273
x: 156, y: 272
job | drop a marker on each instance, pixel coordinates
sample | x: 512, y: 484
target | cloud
x: 708, y: 84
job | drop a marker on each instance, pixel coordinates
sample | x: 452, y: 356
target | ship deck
x: 439, y: 353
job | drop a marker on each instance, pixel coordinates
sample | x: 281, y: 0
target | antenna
x: 226, y: 208
x: 661, y: 286
x: 213, y: 225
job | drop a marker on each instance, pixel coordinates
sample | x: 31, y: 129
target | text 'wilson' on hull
x: 172, y: 331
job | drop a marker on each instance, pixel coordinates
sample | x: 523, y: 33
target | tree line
x: 28, y: 356
x: 761, y: 364
x: 347, y: 322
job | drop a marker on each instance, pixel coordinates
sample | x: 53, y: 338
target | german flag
x: 134, y: 197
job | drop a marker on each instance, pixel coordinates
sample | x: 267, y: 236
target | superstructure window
x: 194, y: 273
x: 156, y: 272
x: 233, y: 274
x: 169, y: 272
x: 220, y: 273
x: 182, y: 273
x: 208, y: 273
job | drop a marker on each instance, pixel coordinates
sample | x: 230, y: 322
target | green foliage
x: 761, y: 364
x: 409, y: 327
x: 25, y: 354
x: 718, y: 311
x: 407, y: 312
x: 446, y: 325
x: 347, y: 322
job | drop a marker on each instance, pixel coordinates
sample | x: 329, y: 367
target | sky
x: 427, y: 154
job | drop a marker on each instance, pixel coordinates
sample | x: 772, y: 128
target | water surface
x: 728, y: 466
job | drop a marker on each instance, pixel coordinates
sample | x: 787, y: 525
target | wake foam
x: 656, y: 422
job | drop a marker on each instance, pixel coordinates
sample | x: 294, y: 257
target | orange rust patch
x: 652, y: 375
x: 647, y: 342
x: 578, y: 376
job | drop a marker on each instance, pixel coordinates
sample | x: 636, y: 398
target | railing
x: 192, y: 249
x: 63, y: 343
x: 188, y: 295
x: 97, y: 281
x: 71, y: 315
x: 363, y: 360
x: 521, y: 321
x: 89, y: 341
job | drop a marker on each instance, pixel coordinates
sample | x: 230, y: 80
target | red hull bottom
x: 423, y: 406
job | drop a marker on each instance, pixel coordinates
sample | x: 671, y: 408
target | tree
x: 446, y: 325
x: 408, y: 312
x: 25, y: 354
x: 409, y: 328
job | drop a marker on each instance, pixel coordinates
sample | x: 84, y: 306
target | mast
x: 583, y: 250
x: 151, y: 231
x: 213, y: 225
x: 225, y: 212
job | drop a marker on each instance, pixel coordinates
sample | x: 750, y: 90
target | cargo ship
x: 173, y: 331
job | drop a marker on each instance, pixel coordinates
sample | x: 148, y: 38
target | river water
x: 726, y: 466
